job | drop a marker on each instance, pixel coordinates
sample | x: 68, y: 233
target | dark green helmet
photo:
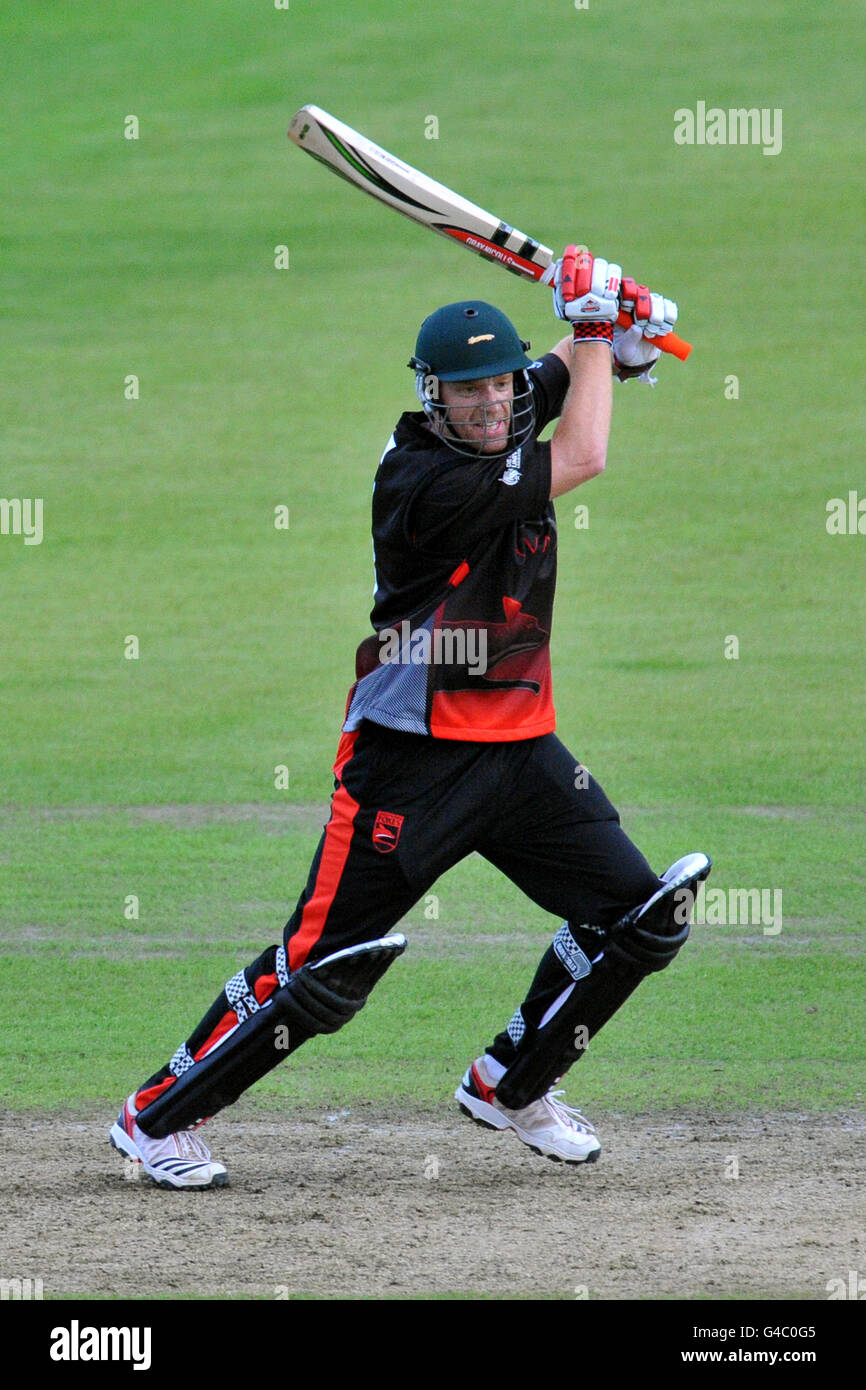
x: 468, y: 341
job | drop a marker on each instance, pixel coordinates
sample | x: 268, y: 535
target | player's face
x: 480, y: 411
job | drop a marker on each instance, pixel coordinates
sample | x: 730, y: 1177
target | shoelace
x: 192, y: 1147
x: 555, y: 1103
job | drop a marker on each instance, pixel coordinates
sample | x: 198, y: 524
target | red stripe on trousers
x: 346, y: 746
x: 335, y: 852
x: 338, y: 840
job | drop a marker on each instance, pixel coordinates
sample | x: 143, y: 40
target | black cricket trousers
x: 406, y: 808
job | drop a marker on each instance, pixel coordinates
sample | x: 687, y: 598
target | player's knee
x: 634, y: 886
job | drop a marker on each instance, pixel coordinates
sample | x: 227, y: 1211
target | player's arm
x: 586, y: 294
x: 578, y: 449
x: 563, y: 350
x: 589, y: 293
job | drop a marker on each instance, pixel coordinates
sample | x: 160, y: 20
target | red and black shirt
x: 465, y: 554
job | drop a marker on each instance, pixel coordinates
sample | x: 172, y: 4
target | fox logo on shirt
x: 386, y: 831
x: 513, y: 466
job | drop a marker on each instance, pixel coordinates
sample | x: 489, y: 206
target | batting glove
x: 586, y: 294
x: 633, y: 354
x: 655, y: 314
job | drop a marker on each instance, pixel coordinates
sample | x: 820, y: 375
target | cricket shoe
x: 179, y: 1161
x: 549, y: 1126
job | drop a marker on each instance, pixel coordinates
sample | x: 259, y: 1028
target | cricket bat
x: 407, y: 190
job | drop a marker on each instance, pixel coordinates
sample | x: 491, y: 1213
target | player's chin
x: 492, y: 440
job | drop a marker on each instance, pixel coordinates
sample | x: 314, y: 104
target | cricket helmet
x: 468, y: 341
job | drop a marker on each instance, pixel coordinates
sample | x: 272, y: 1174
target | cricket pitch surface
x: 365, y: 1203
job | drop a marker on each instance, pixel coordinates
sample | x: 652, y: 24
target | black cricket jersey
x: 465, y: 557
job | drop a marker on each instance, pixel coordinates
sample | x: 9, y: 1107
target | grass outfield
x: 260, y: 388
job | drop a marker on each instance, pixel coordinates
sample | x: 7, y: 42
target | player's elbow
x: 570, y: 473
x: 590, y: 463
x: 585, y: 458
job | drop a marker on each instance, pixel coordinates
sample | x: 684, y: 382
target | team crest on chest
x: 386, y: 831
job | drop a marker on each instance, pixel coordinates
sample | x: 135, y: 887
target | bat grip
x: 669, y: 342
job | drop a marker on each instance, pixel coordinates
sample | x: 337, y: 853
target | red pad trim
x: 459, y: 574
x: 143, y: 1098
x: 264, y: 987
x: 226, y: 1024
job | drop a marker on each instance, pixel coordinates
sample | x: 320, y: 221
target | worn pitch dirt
x: 367, y: 1203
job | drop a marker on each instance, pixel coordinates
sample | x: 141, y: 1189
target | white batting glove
x: 655, y: 314
x: 633, y: 354
x: 586, y: 294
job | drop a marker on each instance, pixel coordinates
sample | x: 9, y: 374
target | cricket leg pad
x: 642, y: 942
x: 319, y: 998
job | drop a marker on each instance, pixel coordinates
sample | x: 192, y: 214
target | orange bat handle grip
x: 669, y: 343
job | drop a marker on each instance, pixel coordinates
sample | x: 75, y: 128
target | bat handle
x: 669, y: 342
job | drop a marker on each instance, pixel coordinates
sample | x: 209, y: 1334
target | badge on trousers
x: 386, y: 831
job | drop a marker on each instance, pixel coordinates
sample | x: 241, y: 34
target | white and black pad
x: 643, y: 941
x: 318, y: 998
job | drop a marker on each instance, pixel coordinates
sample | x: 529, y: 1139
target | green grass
x: 746, y: 1018
x: 258, y: 388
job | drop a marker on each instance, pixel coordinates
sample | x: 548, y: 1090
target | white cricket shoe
x: 180, y: 1160
x: 549, y: 1126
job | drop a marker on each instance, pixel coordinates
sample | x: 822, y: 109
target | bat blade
x: 407, y: 190
x: 385, y: 177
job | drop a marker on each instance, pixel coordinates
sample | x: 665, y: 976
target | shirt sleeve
x: 450, y: 512
x: 550, y: 382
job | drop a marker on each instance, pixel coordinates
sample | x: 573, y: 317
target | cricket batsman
x: 448, y: 743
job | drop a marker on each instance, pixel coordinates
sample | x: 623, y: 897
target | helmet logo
x: 482, y: 338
